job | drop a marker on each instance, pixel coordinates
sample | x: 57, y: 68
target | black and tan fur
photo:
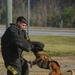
x: 43, y: 61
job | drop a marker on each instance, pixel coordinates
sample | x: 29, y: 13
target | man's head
x: 21, y: 22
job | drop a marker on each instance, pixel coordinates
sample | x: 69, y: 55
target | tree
x: 69, y: 16
x: 53, y: 19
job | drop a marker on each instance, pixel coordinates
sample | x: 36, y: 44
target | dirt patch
x: 66, y: 63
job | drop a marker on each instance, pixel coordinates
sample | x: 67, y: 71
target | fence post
x: 8, y: 12
x: 28, y: 16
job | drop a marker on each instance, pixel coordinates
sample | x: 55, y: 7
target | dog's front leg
x: 31, y: 63
x: 53, y: 73
x: 35, y: 62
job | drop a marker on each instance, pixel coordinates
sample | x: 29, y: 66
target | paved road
x: 53, y: 32
x: 48, y: 32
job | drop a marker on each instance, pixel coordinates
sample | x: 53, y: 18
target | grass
x: 57, y: 45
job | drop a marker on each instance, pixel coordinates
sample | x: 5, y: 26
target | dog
x: 45, y: 62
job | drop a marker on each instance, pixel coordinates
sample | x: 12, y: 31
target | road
x: 53, y: 32
x: 48, y: 32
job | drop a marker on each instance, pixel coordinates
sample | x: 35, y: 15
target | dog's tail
x: 72, y: 72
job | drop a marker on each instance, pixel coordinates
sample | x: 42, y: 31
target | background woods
x: 45, y: 13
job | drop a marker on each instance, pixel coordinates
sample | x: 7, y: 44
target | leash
x: 49, y: 57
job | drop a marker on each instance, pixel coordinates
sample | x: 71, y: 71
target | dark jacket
x: 13, y: 42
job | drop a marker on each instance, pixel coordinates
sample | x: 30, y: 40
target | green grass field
x: 57, y: 45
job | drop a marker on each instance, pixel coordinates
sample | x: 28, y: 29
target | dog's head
x: 36, y: 50
x: 38, y: 46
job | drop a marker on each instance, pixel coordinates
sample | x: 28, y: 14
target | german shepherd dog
x: 45, y: 62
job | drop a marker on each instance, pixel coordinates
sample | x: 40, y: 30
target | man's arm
x: 17, y: 40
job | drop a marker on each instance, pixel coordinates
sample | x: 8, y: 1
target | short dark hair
x: 22, y: 19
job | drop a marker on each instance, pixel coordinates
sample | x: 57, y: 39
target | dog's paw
x: 30, y: 64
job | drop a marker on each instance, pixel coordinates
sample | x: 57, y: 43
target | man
x: 13, y: 43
